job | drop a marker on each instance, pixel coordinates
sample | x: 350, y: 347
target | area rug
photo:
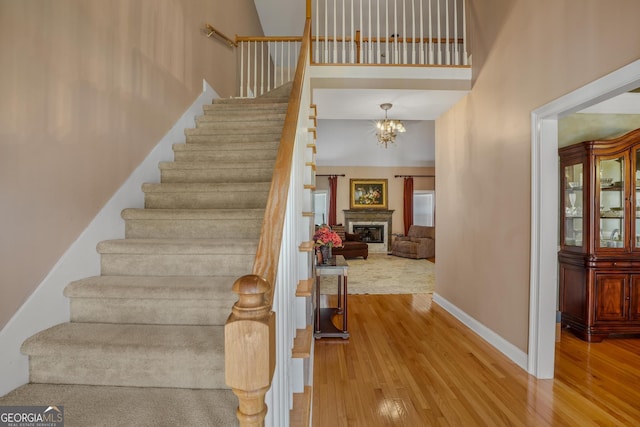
x: 385, y: 274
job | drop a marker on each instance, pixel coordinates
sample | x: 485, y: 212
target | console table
x: 323, y: 325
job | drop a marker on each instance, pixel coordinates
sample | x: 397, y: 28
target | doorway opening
x: 544, y: 208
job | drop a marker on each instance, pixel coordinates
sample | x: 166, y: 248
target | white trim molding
x: 516, y: 355
x: 544, y: 208
x: 47, y: 306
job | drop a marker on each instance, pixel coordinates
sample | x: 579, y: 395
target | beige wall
x: 526, y: 54
x: 88, y: 87
x: 395, y: 186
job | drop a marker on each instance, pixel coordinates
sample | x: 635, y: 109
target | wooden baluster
x: 358, y: 45
x: 250, y: 351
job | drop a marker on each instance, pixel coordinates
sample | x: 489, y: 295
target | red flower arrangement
x: 325, y: 236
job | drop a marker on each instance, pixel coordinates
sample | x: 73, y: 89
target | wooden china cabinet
x: 599, y: 256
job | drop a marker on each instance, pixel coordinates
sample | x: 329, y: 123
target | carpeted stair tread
x: 205, y: 187
x: 193, y: 214
x: 178, y: 246
x: 152, y: 300
x: 213, y: 137
x: 234, y: 106
x: 226, y: 115
x: 128, y: 355
x: 106, y: 406
x: 153, y: 287
x: 219, y: 122
x: 225, y: 151
x: 197, y: 165
x: 213, y: 195
x: 259, y: 100
x: 266, y: 143
x: 234, y: 170
x: 109, y: 338
x: 193, y: 223
x: 234, y: 130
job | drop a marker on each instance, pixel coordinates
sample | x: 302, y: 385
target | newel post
x: 249, y: 338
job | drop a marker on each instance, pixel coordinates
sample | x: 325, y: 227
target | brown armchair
x: 419, y: 243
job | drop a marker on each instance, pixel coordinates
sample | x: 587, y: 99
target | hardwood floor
x: 409, y: 363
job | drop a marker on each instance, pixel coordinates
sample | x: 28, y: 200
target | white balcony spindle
x: 378, y: 45
x: 421, y: 35
x: 465, y: 57
x: 344, y: 36
x: 395, y: 31
x: 241, y: 68
x: 255, y: 68
x: 261, y: 67
x: 404, y: 32
x: 326, y: 31
x: 352, y: 55
x: 448, y: 39
x: 249, y: 66
x: 369, y: 37
x: 335, y: 33
x: 317, y: 46
x: 282, y: 63
x: 288, y: 62
x: 439, y: 36
x: 456, y: 52
x: 413, y: 32
x: 269, y: 67
x: 386, y: 32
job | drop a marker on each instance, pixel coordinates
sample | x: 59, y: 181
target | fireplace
x: 370, y: 233
x: 373, y: 225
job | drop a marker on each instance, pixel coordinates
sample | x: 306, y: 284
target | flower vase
x: 325, y: 250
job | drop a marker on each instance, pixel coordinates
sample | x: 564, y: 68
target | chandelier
x: 388, y: 128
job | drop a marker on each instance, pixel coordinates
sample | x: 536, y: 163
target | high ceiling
x: 346, y: 114
x: 346, y: 131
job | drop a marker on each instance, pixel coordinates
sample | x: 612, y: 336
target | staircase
x: 145, y: 343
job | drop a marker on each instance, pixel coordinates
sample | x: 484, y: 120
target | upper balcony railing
x: 352, y: 32
x: 389, y: 32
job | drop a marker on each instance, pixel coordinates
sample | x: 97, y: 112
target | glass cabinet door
x: 573, y: 208
x: 611, y: 177
x: 636, y: 198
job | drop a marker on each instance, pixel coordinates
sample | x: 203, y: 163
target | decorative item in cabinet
x: 599, y: 257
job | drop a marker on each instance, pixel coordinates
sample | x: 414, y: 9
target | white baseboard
x: 505, y: 347
x: 47, y: 306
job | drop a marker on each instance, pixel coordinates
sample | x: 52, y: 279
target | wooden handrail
x: 266, y: 263
x: 250, y: 334
x: 213, y: 32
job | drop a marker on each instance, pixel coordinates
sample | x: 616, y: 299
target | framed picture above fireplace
x: 368, y: 194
